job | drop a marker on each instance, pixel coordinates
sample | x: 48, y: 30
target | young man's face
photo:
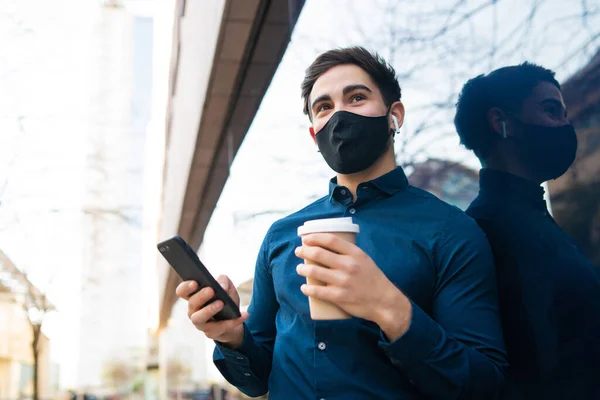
x: 344, y: 87
x: 545, y: 106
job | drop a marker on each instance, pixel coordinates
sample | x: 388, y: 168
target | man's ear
x: 499, y: 122
x: 397, y: 110
x: 312, y: 134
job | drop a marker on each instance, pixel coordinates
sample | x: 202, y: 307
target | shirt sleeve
x: 248, y: 366
x: 456, y: 351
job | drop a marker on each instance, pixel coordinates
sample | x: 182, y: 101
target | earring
x: 503, y: 127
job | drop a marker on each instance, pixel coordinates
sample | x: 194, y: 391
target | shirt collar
x: 503, y: 184
x: 389, y: 183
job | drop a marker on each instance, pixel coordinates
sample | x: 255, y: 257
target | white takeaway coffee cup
x: 345, y: 229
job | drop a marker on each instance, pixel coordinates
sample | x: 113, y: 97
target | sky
x: 277, y: 170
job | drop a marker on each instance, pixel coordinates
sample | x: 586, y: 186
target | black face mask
x: 548, y: 151
x: 351, y: 143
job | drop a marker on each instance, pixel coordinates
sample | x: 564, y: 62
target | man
x: 515, y: 121
x: 420, y: 281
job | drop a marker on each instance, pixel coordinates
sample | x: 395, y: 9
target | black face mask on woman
x: 548, y: 151
x: 351, y: 142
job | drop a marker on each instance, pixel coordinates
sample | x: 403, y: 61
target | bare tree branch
x: 35, y: 305
x: 418, y: 36
x: 592, y: 41
x: 450, y: 26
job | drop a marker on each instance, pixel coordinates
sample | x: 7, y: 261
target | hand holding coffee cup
x: 345, y: 229
x: 355, y: 285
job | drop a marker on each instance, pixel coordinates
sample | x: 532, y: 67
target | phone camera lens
x: 162, y: 249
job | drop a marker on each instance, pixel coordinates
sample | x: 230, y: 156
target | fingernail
x: 190, y: 285
x: 297, y: 250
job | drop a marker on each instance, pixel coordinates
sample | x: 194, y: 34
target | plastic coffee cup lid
x: 328, y: 225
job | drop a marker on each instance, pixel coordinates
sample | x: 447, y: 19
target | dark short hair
x: 382, y: 73
x: 505, y: 88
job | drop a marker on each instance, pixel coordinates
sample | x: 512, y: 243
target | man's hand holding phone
x: 228, y: 332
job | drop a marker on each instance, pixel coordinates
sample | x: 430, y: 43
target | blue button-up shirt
x: 431, y: 251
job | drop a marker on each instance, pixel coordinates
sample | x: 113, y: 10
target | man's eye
x: 323, y: 107
x: 357, y: 97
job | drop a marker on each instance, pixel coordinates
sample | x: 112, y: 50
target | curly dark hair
x: 505, y: 88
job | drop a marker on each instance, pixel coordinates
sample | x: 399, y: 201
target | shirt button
x: 352, y: 211
x: 343, y: 191
x: 247, y: 374
x: 322, y: 346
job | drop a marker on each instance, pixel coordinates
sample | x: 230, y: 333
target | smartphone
x: 187, y: 265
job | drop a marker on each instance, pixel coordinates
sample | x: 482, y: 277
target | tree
x: 458, y: 39
x: 35, y: 305
x: 435, y: 47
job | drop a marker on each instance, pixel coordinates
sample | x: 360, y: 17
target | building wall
x: 198, y: 32
x: 207, y: 121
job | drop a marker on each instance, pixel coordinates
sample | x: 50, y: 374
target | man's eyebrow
x: 352, y: 88
x: 345, y: 91
x: 555, y: 102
